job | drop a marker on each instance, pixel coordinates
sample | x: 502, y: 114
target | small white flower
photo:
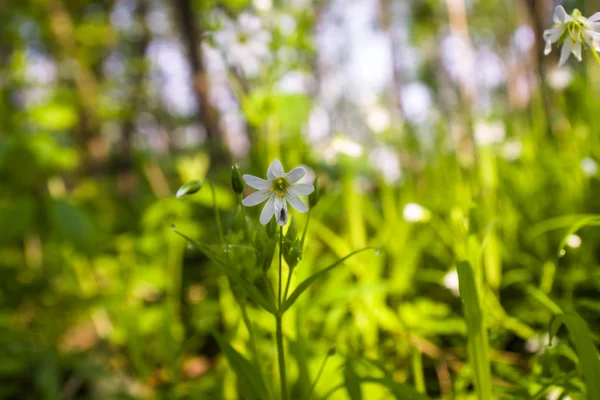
x: 589, y: 166
x: 487, y: 134
x: 512, y: 149
x: 413, y: 212
x: 451, y: 282
x: 574, y: 241
x: 278, y: 190
x: 572, y: 31
x: 245, y: 43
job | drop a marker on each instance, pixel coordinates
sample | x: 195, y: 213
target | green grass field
x: 451, y: 240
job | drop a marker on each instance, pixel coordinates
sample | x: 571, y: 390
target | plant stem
x: 287, y: 285
x: 216, y: 210
x: 306, y: 226
x: 244, y: 217
x: 312, y: 387
x: 281, y: 356
x: 280, y: 263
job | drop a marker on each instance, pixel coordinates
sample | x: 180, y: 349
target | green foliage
x: 581, y: 337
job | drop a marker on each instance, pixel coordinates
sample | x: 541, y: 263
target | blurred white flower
x: 489, y: 133
x: 556, y: 393
x: 560, y: 78
x: 413, y: 212
x: 574, y: 241
x: 277, y: 191
x: 263, y: 5
x: 245, y: 43
x: 341, y: 145
x: 512, y: 149
x: 539, y: 344
x: 378, y: 119
x: 573, y: 31
x: 451, y: 282
x: 589, y: 166
x: 386, y: 161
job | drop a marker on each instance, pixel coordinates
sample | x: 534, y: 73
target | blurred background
x: 416, y: 116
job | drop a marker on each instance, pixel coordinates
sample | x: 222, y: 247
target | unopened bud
x: 313, y: 198
x: 237, y: 183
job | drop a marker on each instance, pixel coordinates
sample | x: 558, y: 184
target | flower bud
x: 190, y: 187
x: 237, y: 183
x: 313, y: 198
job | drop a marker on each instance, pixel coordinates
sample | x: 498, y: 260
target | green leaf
x: 581, y: 337
x: 190, y: 187
x: 352, y: 382
x: 250, y: 378
x: 309, y: 281
x: 233, y: 274
x: 476, y: 330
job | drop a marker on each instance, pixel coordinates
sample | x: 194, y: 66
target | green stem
x: 246, y: 229
x: 280, y: 263
x: 314, y: 384
x: 306, y: 226
x: 216, y: 210
x: 287, y: 285
x: 281, y: 356
x: 417, y: 365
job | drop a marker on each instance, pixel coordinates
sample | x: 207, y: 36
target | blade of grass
x: 476, y: 330
x: 581, y: 337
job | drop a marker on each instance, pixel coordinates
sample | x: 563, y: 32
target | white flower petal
x: 296, y: 202
x: 595, y: 26
x: 553, y: 34
x: 256, y: 182
x: 281, y: 211
x: 267, y: 211
x: 547, y: 48
x: 295, y: 175
x: 275, y: 170
x: 301, y: 189
x: 595, y: 17
x: 565, y: 52
x: 576, y: 50
x: 256, y: 198
x: 560, y: 15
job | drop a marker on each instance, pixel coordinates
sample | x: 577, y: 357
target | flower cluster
x: 573, y: 31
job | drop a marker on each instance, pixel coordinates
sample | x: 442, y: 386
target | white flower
x: 512, y: 149
x: 574, y: 241
x: 451, y: 282
x: 245, y: 43
x: 589, y: 166
x: 487, y: 134
x: 572, y: 31
x: 276, y: 190
x: 413, y: 212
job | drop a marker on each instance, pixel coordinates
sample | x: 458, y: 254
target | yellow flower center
x: 279, y: 187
